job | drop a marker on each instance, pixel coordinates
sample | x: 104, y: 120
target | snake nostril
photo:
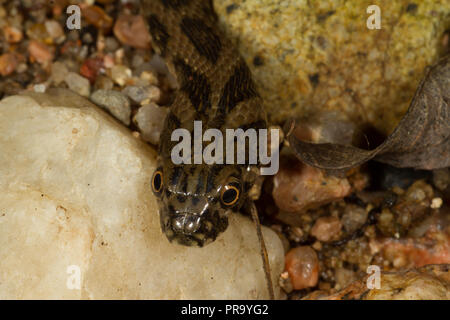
x: 192, y: 224
x: 187, y: 224
x: 178, y: 223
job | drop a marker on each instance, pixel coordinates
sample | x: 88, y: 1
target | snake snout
x: 186, y: 224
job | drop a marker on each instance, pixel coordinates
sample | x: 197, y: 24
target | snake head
x: 196, y: 200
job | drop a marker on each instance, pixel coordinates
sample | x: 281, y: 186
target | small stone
x: 87, y: 38
x: 78, y: 84
x: 150, y: 120
x: 91, y: 68
x: 40, y: 88
x: 54, y: 30
x: 285, y: 282
x: 158, y: 65
x: 132, y: 31
x: 343, y: 277
x: 298, y: 187
x: 302, y: 264
x: 386, y: 222
x: 353, y: 217
x: 137, y: 61
x: 150, y: 77
x: 317, y: 246
x: 22, y: 67
x: 12, y: 34
x: 120, y: 74
x: 40, y: 52
x: 111, y: 44
x: 326, y: 229
x: 103, y: 82
x: 115, y: 102
x: 436, y: 203
x: 59, y: 72
x: 38, y: 32
x: 97, y: 16
x: 139, y: 94
x: 8, y: 64
x: 108, y: 61
x: 441, y: 178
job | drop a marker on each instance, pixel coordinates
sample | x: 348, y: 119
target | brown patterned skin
x: 215, y: 87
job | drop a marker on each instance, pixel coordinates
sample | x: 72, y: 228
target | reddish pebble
x: 8, y: 63
x: 97, y: 16
x: 326, y: 229
x: 40, y: 52
x: 298, y: 187
x: 91, y: 68
x: 302, y: 264
x: 132, y: 31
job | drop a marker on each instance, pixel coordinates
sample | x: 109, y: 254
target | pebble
x: 150, y: 120
x: 91, y: 68
x: 59, y: 72
x: 137, y: 60
x: 12, y: 34
x: 41, y: 88
x: 326, y: 229
x: 298, y: 187
x: 441, y: 178
x: 139, y: 94
x: 353, y: 218
x: 436, y: 203
x: 8, y: 64
x: 22, y: 67
x: 38, y: 32
x: 78, y: 84
x: 120, y: 74
x: 54, y: 30
x: 108, y: 61
x: 40, y: 52
x: 111, y: 44
x: 302, y: 265
x: 343, y: 277
x: 103, y: 82
x: 149, y: 77
x: 115, y: 102
x: 97, y: 16
x: 132, y: 31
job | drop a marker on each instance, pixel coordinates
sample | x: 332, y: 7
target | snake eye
x: 230, y: 194
x: 157, y: 181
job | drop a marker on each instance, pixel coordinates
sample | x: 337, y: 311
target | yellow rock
x: 314, y: 56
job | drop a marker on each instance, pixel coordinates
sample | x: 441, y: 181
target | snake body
x: 216, y: 88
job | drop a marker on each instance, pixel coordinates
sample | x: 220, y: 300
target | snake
x: 215, y: 87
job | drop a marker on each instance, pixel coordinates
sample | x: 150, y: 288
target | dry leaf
x: 421, y: 139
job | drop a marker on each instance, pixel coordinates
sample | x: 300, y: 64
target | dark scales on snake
x: 216, y: 88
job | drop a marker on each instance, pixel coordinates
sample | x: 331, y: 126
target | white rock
x: 74, y: 191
